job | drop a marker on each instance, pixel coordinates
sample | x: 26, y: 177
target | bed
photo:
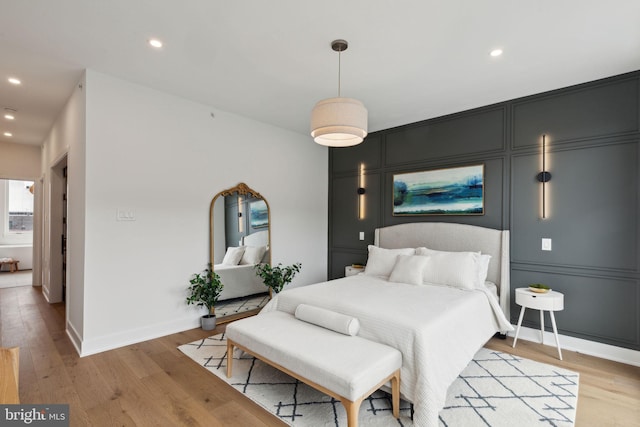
x: 437, y: 327
x: 237, y: 270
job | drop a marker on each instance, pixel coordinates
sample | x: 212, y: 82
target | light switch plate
x: 125, y: 215
x: 546, y: 244
x: 362, y: 235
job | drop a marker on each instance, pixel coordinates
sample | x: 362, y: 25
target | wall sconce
x: 240, y: 218
x: 544, y: 176
x: 361, y: 192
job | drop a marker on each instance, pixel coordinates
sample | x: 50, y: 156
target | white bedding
x: 239, y: 281
x: 433, y: 356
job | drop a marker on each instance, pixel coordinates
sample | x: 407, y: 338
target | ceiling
x: 271, y: 61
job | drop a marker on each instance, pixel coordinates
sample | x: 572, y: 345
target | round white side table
x: 550, y: 301
x: 352, y: 271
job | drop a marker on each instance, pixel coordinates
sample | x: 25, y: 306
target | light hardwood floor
x: 154, y: 384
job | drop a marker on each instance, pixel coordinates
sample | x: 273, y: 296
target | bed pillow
x: 426, y: 251
x: 483, y: 269
x: 483, y: 262
x: 409, y: 269
x: 328, y: 319
x: 381, y: 261
x: 458, y: 269
x: 252, y: 255
x: 233, y: 255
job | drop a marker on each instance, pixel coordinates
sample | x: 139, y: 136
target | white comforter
x: 239, y: 281
x: 438, y: 329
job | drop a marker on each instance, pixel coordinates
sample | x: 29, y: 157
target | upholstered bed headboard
x: 455, y: 238
x: 261, y: 238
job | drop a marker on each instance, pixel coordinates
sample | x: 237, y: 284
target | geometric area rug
x: 496, y: 389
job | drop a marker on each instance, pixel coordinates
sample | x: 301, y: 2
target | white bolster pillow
x: 328, y: 319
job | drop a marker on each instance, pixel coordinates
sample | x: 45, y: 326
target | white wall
x: 67, y: 138
x: 164, y: 158
x: 19, y: 161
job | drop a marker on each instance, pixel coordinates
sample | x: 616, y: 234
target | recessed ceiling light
x: 496, y: 52
x: 155, y: 43
x: 8, y: 134
x: 9, y: 113
x: 14, y: 81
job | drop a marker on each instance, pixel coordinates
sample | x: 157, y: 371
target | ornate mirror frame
x: 244, y: 190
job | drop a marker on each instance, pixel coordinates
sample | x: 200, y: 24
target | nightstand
x: 350, y: 270
x: 550, y: 301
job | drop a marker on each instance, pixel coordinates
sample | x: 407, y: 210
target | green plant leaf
x: 277, y: 277
x: 205, y: 289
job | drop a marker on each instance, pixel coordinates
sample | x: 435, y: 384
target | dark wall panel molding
x: 479, y: 131
x: 344, y: 204
x: 593, y: 198
x: 348, y: 159
x: 573, y: 114
x: 592, y: 208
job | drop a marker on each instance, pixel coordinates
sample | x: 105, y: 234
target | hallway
x: 19, y: 278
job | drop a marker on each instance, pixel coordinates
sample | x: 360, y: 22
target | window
x: 20, y: 206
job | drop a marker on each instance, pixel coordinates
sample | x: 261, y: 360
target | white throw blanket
x: 438, y: 329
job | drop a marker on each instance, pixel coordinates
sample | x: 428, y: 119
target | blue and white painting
x: 259, y: 214
x: 454, y: 191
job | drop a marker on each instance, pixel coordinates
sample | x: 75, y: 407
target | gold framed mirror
x: 239, y: 238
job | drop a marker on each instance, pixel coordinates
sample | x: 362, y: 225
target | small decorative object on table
x: 204, y: 291
x: 275, y: 278
x: 539, y: 288
x: 353, y: 269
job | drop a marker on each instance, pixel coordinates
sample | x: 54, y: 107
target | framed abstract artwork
x: 259, y: 214
x: 452, y: 191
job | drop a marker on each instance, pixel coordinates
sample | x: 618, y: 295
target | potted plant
x: 204, y: 291
x: 275, y: 278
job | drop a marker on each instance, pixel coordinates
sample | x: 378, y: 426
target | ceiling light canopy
x: 339, y: 122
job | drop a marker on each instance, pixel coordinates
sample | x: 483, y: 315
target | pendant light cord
x: 339, y: 66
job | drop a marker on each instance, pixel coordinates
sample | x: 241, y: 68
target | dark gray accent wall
x: 593, y: 136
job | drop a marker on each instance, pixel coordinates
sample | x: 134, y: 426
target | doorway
x: 16, y: 232
x: 57, y: 283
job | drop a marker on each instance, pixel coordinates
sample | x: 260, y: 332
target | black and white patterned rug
x: 241, y: 305
x: 496, y: 389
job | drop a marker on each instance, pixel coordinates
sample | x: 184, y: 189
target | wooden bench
x: 348, y: 368
x: 13, y: 264
x: 9, y: 368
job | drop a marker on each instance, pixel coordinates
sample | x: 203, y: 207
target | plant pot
x: 208, y: 322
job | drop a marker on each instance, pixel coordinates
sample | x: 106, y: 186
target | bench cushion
x: 347, y: 365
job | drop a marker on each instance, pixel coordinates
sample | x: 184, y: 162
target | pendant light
x: 339, y: 122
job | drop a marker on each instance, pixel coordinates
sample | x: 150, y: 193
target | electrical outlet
x: 362, y: 235
x: 546, y: 244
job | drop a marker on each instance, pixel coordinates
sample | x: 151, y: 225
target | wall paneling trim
x: 593, y: 137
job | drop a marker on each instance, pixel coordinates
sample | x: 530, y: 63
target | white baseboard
x: 45, y: 292
x: 592, y: 348
x: 74, y: 336
x: 128, y: 337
